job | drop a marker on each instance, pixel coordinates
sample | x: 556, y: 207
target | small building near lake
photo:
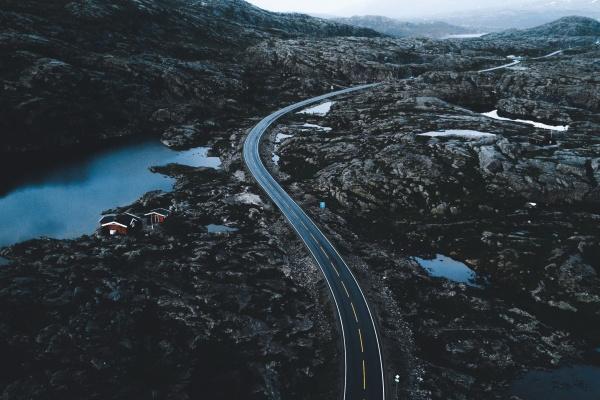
x: 120, y: 224
x: 158, y: 215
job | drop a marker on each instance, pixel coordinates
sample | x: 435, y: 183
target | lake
x: 66, y: 201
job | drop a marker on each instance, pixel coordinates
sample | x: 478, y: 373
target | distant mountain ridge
x: 567, y: 27
x: 396, y: 28
x: 525, y: 16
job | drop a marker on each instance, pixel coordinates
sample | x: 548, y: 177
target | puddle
x: 321, y: 109
x: 577, y: 382
x: 212, y: 228
x: 445, y: 267
x: 494, y: 114
x: 459, y: 133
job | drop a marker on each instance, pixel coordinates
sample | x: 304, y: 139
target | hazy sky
x: 392, y: 8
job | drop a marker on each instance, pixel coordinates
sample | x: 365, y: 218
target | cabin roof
x: 163, y: 212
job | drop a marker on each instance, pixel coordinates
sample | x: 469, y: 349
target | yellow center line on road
x: 362, y: 349
x: 354, y: 310
x: 364, y: 376
x: 347, y: 294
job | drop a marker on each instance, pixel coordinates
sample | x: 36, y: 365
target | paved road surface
x: 363, y: 377
x: 516, y: 62
x: 512, y: 64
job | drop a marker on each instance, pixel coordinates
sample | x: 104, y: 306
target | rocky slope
x: 399, y: 29
x: 567, y: 32
x: 76, y: 72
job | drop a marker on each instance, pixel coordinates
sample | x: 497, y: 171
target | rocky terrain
x: 523, y: 216
x: 176, y: 312
x: 400, y: 29
x: 78, y: 73
x: 180, y: 312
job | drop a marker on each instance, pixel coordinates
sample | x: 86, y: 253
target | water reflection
x: 445, y: 267
x: 65, y: 201
x: 581, y: 382
x: 220, y: 229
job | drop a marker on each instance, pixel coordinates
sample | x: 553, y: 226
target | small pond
x: 212, y: 228
x: 446, y: 267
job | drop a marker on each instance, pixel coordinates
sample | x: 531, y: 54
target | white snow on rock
x: 248, y: 198
x: 459, y: 133
x: 465, y: 36
x: 275, y: 158
x: 280, y: 137
x: 318, y: 127
x: 320, y: 109
x: 494, y: 114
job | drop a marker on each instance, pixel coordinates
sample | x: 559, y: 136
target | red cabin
x: 158, y: 215
x: 120, y: 224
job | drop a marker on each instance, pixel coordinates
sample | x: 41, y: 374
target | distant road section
x: 518, y: 61
x: 363, y: 364
x: 512, y: 64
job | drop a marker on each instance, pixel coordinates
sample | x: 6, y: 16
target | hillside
x: 566, y: 27
x: 78, y: 72
x: 397, y: 28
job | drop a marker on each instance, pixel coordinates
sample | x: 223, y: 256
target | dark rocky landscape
x: 179, y: 312
x: 400, y: 29
x: 523, y: 216
x: 175, y: 312
x: 83, y: 72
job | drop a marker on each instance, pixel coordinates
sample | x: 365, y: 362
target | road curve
x: 363, y: 371
x: 512, y: 64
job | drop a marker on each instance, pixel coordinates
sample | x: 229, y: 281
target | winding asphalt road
x: 363, y: 376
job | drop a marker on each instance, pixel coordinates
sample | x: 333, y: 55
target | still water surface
x: 66, y: 201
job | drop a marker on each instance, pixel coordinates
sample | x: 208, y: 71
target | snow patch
x: 275, y: 158
x: 318, y: 127
x: 280, y: 137
x: 320, y: 109
x: 465, y: 36
x: 494, y: 114
x: 248, y: 198
x: 459, y: 133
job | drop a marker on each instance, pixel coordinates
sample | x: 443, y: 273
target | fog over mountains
x: 491, y: 15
